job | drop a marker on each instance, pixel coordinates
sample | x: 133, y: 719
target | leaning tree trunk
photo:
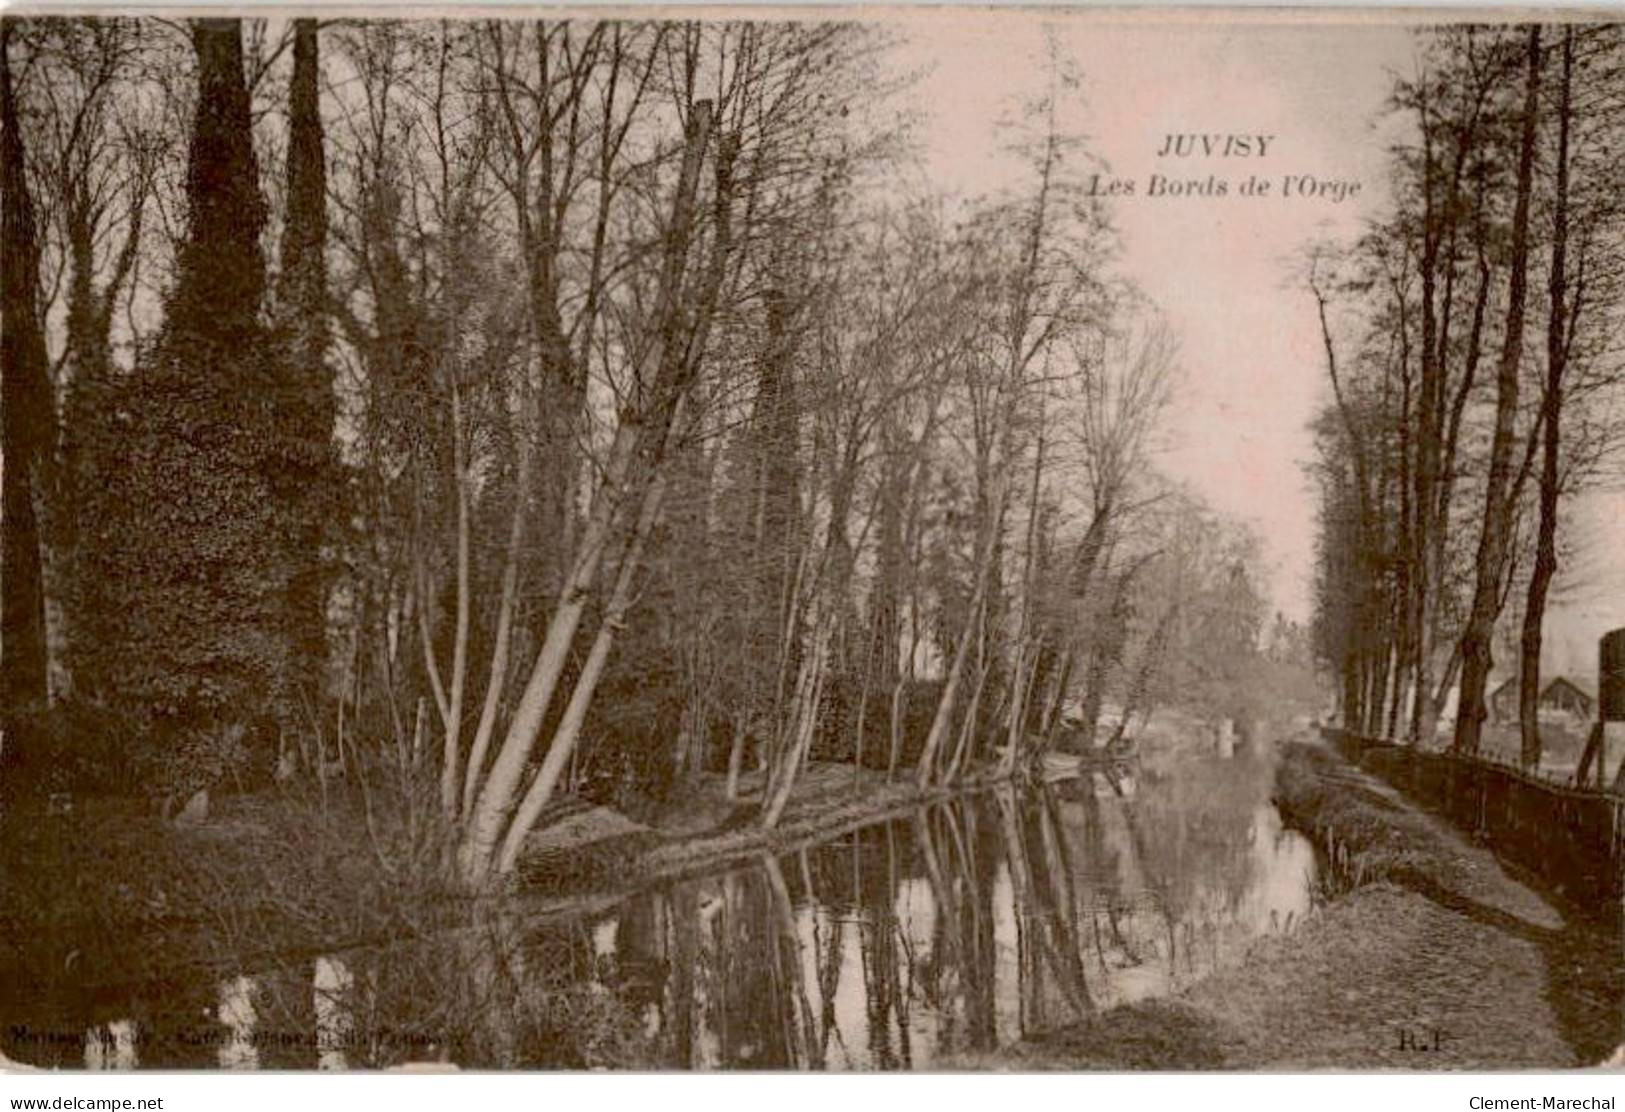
x: 568, y: 731
x: 941, y: 723
x: 637, y: 447
x: 502, y: 642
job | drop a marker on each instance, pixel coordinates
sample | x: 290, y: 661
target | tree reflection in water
x: 966, y: 923
x: 951, y: 928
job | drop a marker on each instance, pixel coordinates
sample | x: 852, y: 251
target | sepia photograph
x: 887, y: 538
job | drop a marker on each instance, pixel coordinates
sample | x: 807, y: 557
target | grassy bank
x: 1425, y: 955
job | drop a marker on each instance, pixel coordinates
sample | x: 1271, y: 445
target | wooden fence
x: 1572, y: 837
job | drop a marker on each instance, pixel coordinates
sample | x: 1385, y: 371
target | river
x: 957, y: 928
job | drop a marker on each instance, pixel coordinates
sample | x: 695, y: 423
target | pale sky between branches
x: 1220, y: 269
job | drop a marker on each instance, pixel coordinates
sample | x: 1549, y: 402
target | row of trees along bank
x: 1469, y: 340
x: 605, y: 411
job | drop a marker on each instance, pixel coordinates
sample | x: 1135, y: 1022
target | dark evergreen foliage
x: 307, y: 483
x: 183, y: 536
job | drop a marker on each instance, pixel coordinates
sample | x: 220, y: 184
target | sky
x: 1221, y: 269
x: 1252, y: 363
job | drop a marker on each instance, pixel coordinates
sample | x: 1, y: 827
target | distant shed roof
x: 1580, y: 684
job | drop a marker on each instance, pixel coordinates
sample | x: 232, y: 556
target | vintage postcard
x: 812, y: 539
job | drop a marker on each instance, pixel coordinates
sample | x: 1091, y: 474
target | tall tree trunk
x: 27, y: 414
x: 1545, y: 568
x: 885, y: 618
x: 1476, y: 650
x: 777, y: 543
x: 1016, y: 727
x: 308, y: 482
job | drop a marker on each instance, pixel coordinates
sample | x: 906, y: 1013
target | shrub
x: 74, y: 747
x: 213, y: 757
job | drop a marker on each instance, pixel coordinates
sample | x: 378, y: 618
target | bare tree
x: 1499, y: 498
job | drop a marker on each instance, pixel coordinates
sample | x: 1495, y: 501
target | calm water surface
x: 957, y: 927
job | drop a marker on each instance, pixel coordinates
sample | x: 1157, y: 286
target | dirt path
x: 1434, y: 957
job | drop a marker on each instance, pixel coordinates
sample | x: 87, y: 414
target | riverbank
x: 567, y: 868
x: 1426, y: 954
x: 110, y: 894
x: 1423, y: 953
